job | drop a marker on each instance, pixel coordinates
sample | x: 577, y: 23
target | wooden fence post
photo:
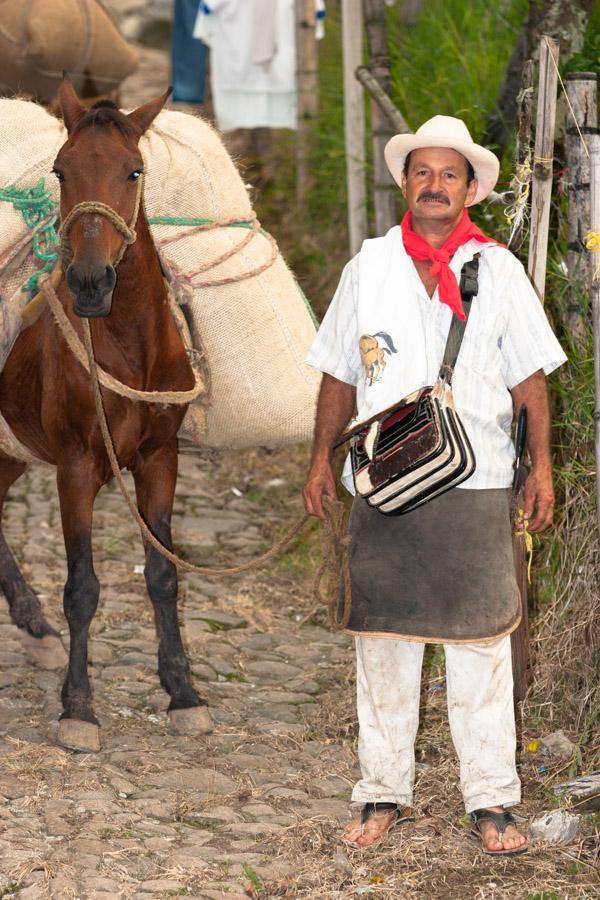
x: 307, y: 81
x: 582, y: 121
x: 594, y: 145
x: 542, y: 163
x: 385, y: 190
x: 354, y: 124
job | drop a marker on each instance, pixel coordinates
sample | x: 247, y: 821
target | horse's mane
x: 105, y: 112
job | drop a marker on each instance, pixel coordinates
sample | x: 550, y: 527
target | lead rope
x: 175, y: 398
x: 332, y: 585
x: 335, y: 540
x: 147, y: 535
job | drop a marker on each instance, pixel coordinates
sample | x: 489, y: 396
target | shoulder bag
x: 418, y: 448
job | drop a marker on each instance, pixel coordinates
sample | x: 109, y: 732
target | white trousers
x: 479, y: 684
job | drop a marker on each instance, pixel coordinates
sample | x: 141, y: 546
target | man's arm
x: 539, y: 492
x: 334, y: 410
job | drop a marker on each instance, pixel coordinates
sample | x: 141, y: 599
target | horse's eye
x: 134, y: 175
x: 58, y: 174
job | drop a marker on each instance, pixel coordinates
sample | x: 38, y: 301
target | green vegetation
x: 253, y: 878
x: 452, y: 60
x: 588, y: 59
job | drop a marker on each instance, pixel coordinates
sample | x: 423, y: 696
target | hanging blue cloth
x: 188, y: 55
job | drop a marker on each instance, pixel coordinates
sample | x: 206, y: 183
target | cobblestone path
x: 154, y: 815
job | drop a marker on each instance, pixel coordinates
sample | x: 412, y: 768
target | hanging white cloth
x: 264, y: 33
x: 253, y: 61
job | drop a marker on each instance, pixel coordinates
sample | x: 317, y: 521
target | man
x: 442, y: 573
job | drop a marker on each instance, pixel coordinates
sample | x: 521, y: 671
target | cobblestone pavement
x: 154, y: 815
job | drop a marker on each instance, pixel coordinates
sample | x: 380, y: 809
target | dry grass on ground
x: 435, y: 858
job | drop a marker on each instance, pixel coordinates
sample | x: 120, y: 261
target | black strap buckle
x: 469, y: 279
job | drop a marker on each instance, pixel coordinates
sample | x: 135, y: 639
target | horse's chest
x: 141, y: 423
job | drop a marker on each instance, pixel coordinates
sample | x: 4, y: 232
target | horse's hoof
x: 193, y: 720
x: 46, y: 652
x: 75, y: 734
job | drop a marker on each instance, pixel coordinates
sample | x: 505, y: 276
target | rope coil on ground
x: 332, y: 584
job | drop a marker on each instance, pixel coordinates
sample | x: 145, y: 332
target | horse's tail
x: 387, y: 338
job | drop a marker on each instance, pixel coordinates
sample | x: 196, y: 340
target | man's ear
x: 471, y: 191
x: 143, y: 117
x: 403, y: 185
x: 70, y: 105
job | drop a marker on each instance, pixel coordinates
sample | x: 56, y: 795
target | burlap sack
x: 29, y: 141
x: 255, y: 331
x: 41, y: 38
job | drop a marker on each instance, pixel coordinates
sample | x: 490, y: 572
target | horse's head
x: 99, y: 163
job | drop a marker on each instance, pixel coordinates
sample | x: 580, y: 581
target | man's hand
x: 538, y: 494
x: 538, y: 504
x: 320, y: 483
x: 334, y: 409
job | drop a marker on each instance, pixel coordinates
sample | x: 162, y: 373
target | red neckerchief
x: 418, y: 248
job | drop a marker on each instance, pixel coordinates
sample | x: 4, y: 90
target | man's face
x: 436, y: 187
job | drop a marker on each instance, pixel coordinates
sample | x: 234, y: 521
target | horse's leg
x: 155, y: 476
x: 78, y: 485
x: 41, y: 640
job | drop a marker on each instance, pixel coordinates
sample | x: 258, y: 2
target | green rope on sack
x: 38, y: 208
x: 176, y: 220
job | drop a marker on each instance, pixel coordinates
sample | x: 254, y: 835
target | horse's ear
x: 143, y: 117
x: 71, y: 106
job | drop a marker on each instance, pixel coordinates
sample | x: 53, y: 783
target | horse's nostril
x: 73, y: 280
x: 109, y: 279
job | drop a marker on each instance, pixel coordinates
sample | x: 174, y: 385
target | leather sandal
x: 370, y: 810
x: 500, y: 820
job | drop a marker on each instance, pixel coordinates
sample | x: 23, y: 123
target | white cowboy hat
x: 445, y: 131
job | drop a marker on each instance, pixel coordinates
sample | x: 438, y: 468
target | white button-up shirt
x: 381, y: 299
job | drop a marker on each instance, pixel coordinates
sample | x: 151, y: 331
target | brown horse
x: 46, y: 398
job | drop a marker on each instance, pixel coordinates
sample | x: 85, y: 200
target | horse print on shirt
x: 373, y: 355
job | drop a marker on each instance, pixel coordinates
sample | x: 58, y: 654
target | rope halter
x: 85, y: 355
x: 95, y: 207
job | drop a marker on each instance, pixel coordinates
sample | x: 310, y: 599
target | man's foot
x: 496, y: 829
x: 375, y: 822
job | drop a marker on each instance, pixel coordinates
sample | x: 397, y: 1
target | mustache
x: 433, y: 195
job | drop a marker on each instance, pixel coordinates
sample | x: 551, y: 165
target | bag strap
x: 469, y: 287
